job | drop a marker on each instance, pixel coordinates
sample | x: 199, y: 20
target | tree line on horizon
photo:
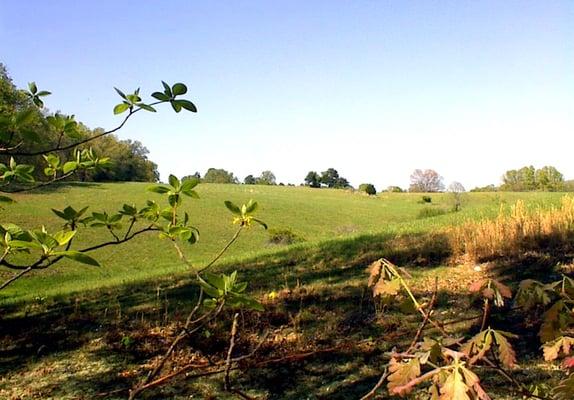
x: 128, y: 159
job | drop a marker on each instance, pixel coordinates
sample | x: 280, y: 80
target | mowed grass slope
x: 316, y: 215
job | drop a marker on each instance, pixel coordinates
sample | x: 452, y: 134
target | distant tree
x: 250, y: 180
x: 487, y: 188
x: 129, y: 161
x: 548, y: 179
x: 395, y: 189
x: 569, y: 186
x: 528, y: 179
x: 217, y: 175
x: 313, y: 179
x: 196, y: 175
x: 368, y: 188
x: 456, y: 190
x: 426, y: 181
x: 266, y: 178
x: 331, y: 178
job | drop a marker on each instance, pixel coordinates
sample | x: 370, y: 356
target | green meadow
x: 319, y: 217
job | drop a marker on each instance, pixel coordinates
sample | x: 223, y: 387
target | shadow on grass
x: 322, y: 298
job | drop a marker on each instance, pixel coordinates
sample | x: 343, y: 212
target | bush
x: 368, y: 188
x: 283, y: 236
x: 429, y: 212
x: 426, y: 199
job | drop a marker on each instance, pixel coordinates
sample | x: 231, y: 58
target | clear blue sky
x: 374, y: 89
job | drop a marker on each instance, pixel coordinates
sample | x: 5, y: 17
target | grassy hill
x: 316, y: 216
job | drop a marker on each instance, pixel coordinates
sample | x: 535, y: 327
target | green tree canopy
x: 219, y: 175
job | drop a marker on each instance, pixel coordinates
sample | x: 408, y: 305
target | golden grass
x: 512, y: 233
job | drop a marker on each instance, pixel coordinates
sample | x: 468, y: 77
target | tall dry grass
x: 512, y: 233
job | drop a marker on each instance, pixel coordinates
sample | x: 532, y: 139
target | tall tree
x: 426, y: 181
x: 266, y: 178
x: 250, y: 180
x: 219, y: 175
x: 331, y: 178
x: 313, y: 179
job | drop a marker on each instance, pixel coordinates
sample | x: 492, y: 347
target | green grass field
x: 317, y: 216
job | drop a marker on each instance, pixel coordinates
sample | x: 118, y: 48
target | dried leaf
x: 401, y: 373
x: 552, y: 349
x: 505, y: 350
x: 477, y: 285
x: 387, y: 288
x: 454, y: 387
x: 374, y: 272
x: 503, y: 289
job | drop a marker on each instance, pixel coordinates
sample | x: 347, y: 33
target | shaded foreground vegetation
x: 326, y: 336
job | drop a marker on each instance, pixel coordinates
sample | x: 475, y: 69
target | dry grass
x: 512, y: 233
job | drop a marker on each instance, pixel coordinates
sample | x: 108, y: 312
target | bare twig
x: 380, y: 383
x: 227, y: 382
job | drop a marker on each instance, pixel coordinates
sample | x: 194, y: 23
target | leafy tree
x: 219, y: 175
x: 331, y: 179
x: 488, y: 188
x: 250, y: 180
x: 549, y: 179
x: 395, y: 189
x: 196, y: 175
x: 426, y: 181
x: 313, y: 179
x: 128, y: 160
x: 266, y: 178
x: 368, y: 188
x: 528, y: 179
x: 456, y: 189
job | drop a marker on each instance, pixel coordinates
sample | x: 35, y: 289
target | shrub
x: 368, y: 188
x: 426, y: 199
x: 283, y: 236
x: 429, y: 212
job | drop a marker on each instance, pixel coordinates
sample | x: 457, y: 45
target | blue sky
x: 374, y: 89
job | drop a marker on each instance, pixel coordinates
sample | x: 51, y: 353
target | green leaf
x: 189, y: 184
x: 232, y: 207
x: 175, y: 105
x: 251, y: 207
x: 120, y: 108
x: 179, y: 89
x: 146, y: 107
x: 122, y: 95
x: 167, y: 89
x: 158, y: 189
x: 215, y: 280
x: 33, y: 88
x: 79, y: 257
x: 64, y: 237
x: 263, y: 224
x: 188, y: 105
x: 160, y: 96
x: 43, y: 93
x: 69, y: 167
x: 174, y: 182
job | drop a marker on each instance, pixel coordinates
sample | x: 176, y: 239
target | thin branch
x: 227, y: 381
x: 233, y: 239
x: 41, y: 185
x: 428, y: 313
x: 15, y: 277
x: 373, y: 391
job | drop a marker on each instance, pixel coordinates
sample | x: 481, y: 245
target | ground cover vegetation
x: 354, y: 310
